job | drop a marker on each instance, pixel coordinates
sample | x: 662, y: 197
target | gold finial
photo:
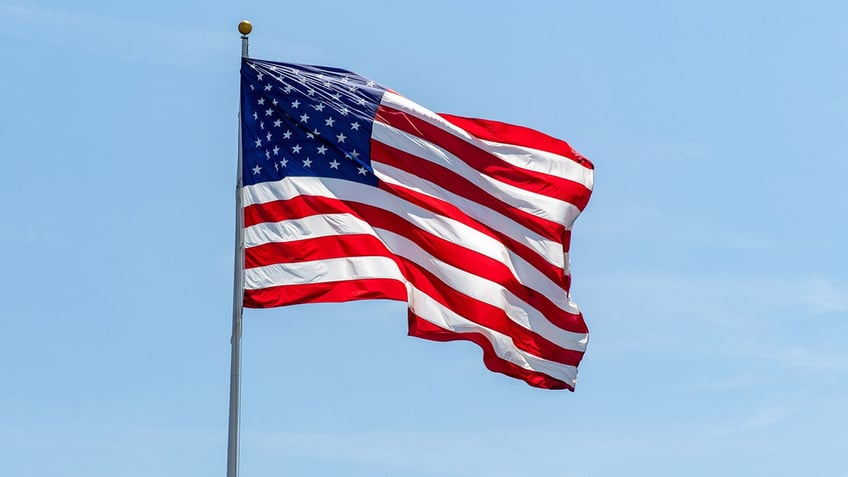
x: 245, y: 27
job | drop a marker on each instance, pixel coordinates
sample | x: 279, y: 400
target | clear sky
x: 710, y: 263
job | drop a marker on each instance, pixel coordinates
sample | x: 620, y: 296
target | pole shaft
x: 238, y: 297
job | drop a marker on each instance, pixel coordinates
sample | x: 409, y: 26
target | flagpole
x: 238, y: 296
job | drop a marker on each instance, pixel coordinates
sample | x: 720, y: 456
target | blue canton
x: 300, y: 120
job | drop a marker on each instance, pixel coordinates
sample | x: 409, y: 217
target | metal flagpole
x: 238, y: 295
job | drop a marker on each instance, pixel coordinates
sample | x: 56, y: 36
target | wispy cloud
x: 653, y: 223
x: 457, y: 454
x: 712, y: 297
x: 736, y: 381
x: 755, y: 421
x: 113, y: 36
x: 825, y: 296
x: 653, y: 151
x: 164, y: 42
x: 733, y: 332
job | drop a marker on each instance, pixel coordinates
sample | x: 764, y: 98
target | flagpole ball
x: 245, y: 27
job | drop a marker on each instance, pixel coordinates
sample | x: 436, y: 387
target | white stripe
x: 542, y: 161
x: 433, y: 311
x: 314, y: 226
x: 546, y: 207
x: 291, y: 187
x: 424, y: 219
x: 320, y: 271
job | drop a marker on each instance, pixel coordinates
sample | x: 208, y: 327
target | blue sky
x: 709, y: 265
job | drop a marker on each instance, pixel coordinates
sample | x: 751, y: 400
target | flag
x: 351, y: 192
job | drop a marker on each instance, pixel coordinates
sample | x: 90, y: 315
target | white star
x: 288, y: 89
x: 370, y: 84
x: 296, y: 149
x: 362, y: 170
x: 287, y: 135
x: 261, y: 125
x: 259, y: 76
x: 316, y: 132
x: 341, y: 137
x: 304, y: 118
x: 256, y: 170
x: 267, y: 154
x: 276, y: 166
x: 345, y: 111
x: 310, y: 136
x: 352, y: 88
x: 329, y: 121
x: 275, y: 102
x: 255, y: 116
x: 261, y: 101
x: 307, y: 162
x: 334, y: 164
x: 319, y: 107
x: 322, y: 149
x: 276, y: 150
x: 355, y: 126
x: 269, y: 111
x: 310, y: 92
x: 354, y: 154
x: 337, y: 96
x: 345, y: 79
x: 258, y: 142
x: 295, y: 104
x: 277, y: 123
x: 268, y: 136
x: 268, y: 87
x: 284, y: 162
x: 361, y: 101
x: 328, y: 84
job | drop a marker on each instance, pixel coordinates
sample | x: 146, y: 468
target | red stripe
x: 295, y: 208
x: 362, y: 245
x: 459, y: 185
x: 318, y: 248
x: 422, y: 328
x: 328, y: 292
x: 497, y: 131
x: 485, y: 162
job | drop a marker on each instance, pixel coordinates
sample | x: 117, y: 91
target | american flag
x: 351, y: 191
